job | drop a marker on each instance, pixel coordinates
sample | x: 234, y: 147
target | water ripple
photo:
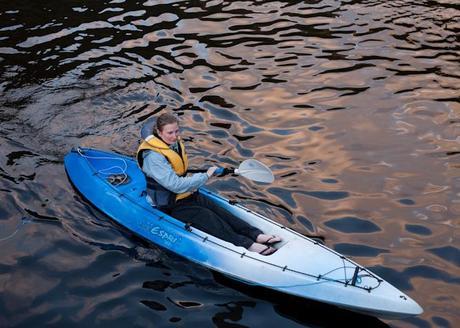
x: 352, y: 104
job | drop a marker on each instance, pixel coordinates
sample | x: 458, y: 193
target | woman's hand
x: 211, y: 170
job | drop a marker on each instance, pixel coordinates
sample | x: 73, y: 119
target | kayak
x: 301, y: 266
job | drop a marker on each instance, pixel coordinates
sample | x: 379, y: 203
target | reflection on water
x: 353, y: 104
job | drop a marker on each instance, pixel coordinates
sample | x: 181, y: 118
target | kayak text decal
x: 157, y: 231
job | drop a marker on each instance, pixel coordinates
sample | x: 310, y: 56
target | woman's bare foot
x: 261, y: 249
x: 267, y: 239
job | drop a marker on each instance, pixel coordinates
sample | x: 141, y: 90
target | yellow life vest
x: 179, y: 162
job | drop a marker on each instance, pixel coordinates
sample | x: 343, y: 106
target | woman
x: 164, y: 161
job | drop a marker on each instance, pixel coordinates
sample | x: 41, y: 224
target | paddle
x: 256, y: 171
x: 250, y: 169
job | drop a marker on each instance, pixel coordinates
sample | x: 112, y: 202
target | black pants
x: 203, y: 214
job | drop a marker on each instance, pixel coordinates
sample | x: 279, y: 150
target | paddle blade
x: 255, y: 170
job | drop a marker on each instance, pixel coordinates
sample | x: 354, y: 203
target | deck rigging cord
x: 116, y: 175
x: 24, y: 220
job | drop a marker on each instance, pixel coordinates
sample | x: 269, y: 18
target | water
x: 354, y: 105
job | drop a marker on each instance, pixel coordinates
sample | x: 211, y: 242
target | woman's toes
x: 268, y: 239
x: 261, y: 249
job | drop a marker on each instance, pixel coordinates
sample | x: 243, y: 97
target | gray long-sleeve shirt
x: 157, y: 167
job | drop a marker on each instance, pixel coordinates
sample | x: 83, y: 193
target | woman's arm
x: 157, y: 167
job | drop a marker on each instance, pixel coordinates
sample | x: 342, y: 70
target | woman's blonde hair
x: 165, y: 119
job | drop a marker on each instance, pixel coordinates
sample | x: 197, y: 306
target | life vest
x: 161, y: 196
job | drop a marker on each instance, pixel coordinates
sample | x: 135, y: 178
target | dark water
x: 353, y: 104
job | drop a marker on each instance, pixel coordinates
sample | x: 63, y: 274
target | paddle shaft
x: 250, y: 169
x: 219, y: 172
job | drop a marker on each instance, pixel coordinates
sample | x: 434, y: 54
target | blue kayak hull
x: 301, y: 266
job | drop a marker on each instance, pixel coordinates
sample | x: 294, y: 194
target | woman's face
x: 170, y: 133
